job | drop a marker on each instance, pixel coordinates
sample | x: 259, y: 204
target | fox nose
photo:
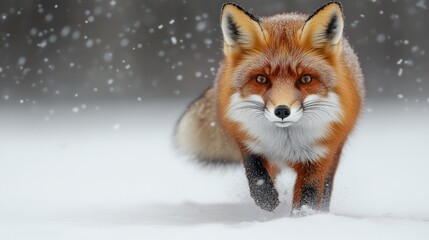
x: 282, y: 111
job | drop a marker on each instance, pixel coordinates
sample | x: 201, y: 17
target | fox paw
x: 265, y: 195
x: 304, y: 211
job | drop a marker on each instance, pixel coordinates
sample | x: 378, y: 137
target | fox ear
x: 324, y: 28
x: 241, y: 30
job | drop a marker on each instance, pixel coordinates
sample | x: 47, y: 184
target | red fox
x: 287, y: 94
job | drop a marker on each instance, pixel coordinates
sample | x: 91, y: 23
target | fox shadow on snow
x: 191, y: 213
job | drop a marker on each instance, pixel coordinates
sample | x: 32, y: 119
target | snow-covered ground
x: 112, y: 173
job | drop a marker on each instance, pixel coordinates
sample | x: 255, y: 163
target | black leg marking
x: 326, y: 197
x: 309, y: 197
x: 261, y: 185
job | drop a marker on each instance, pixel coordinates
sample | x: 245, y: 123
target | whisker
x: 251, y: 108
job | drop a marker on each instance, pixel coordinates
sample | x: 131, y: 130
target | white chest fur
x: 296, y: 143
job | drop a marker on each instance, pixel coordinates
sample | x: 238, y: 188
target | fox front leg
x: 313, y: 187
x: 261, y: 185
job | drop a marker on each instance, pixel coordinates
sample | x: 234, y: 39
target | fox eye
x: 306, y: 79
x: 261, y: 79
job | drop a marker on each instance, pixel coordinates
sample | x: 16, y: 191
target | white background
x: 110, y: 172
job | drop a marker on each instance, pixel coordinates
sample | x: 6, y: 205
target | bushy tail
x: 199, y: 133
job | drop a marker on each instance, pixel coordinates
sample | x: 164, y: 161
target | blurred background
x: 98, y: 50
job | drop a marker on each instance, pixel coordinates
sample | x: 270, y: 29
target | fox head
x: 282, y: 70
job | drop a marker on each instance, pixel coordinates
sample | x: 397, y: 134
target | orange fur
x: 272, y: 169
x: 282, y: 36
x: 284, y: 48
